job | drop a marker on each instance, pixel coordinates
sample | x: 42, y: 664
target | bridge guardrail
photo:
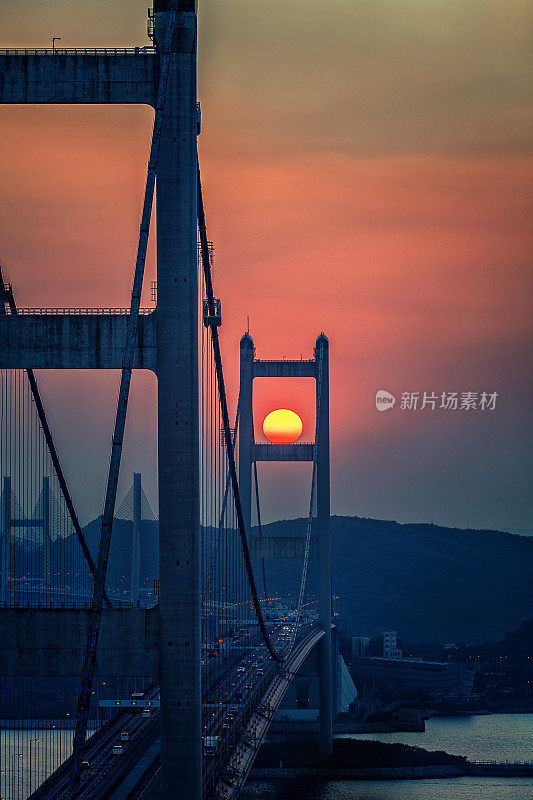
x: 79, y: 311
x: 77, y: 51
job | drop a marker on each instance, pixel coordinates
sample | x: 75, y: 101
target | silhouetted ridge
x: 428, y: 582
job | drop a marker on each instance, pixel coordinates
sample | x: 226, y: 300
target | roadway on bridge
x: 243, y: 725
x: 98, y: 754
x: 243, y: 755
x: 240, y: 678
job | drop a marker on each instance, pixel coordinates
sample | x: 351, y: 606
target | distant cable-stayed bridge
x: 121, y: 677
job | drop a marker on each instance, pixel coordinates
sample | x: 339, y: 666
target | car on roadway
x: 210, y: 745
x: 125, y: 736
x: 146, y: 713
x: 241, y: 669
x: 118, y: 750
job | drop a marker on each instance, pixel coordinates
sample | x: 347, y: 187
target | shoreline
x: 359, y: 759
x: 443, y: 771
x: 282, y: 726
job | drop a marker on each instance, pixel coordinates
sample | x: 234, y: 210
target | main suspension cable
x: 258, y: 512
x: 206, y: 264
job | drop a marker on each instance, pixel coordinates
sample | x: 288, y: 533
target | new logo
x: 384, y: 400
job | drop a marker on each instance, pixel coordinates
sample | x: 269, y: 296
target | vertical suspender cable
x: 258, y: 513
x: 53, y: 453
x: 225, y: 417
x: 84, y: 699
x: 222, y: 525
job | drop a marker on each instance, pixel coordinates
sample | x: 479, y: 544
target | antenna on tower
x: 247, y: 324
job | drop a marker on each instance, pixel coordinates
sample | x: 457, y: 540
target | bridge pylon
x: 317, y: 368
x: 40, y: 520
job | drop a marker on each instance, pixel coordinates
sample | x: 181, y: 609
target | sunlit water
x: 453, y: 789
x: 27, y: 757
x: 500, y: 737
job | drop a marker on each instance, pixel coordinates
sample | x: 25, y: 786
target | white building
x: 390, y: 645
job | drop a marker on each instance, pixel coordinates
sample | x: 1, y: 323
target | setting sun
x: 282, y: 426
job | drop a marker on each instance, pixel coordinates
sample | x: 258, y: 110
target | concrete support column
x: 5, y: 540
x: 136, y: 539
x: 178, y: 422
x: 247, y: 352
x: 325, y: 671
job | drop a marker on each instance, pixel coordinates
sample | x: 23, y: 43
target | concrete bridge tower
x: 249, y: 451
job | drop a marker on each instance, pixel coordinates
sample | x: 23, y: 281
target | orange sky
x: 367, y: 172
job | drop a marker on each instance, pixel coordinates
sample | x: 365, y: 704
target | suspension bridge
x: 164, y: 662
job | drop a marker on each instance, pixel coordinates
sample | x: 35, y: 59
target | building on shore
x: 390, y: 645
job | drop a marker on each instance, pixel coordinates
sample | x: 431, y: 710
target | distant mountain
x: 521, y: 531
x: 427, y: 582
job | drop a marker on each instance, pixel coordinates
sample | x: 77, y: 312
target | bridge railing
x: 80, y: 311
x: 77, y: 51
x: 285, y: 360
